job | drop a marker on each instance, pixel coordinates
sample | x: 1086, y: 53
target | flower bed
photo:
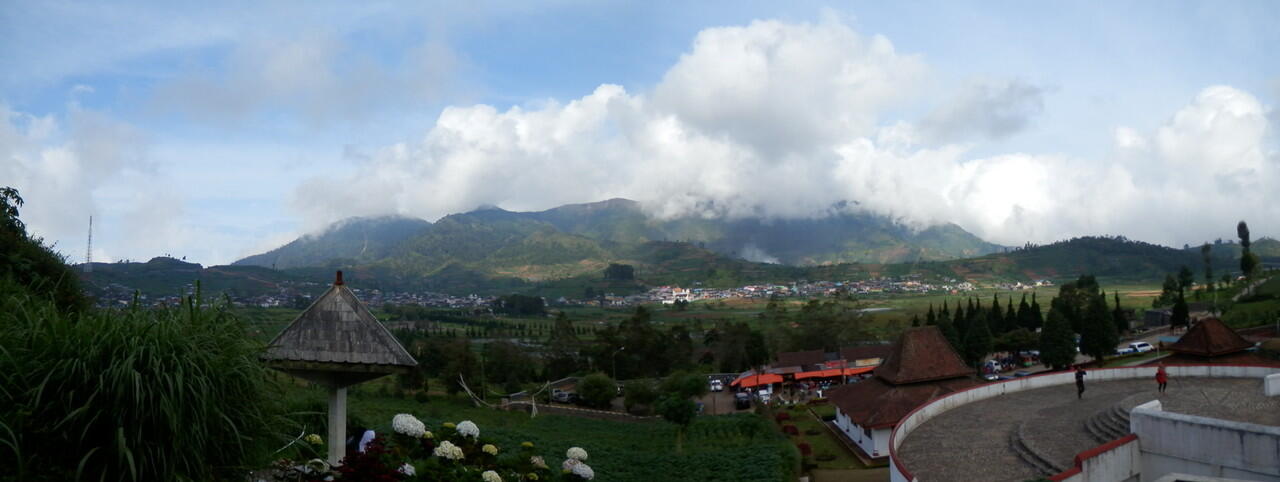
x: 450, y: 453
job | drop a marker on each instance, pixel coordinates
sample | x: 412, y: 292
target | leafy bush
x: 130, y: 395
x: 640, y: 393
x: 597, y: 390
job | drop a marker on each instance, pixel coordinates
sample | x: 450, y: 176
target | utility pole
x: 88, y: 250
x: 614, y: 358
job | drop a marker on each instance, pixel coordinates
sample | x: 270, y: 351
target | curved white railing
x: 898, y: 471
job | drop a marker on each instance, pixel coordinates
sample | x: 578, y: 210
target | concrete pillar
x: 1272, y: 385
x: 337, y: 424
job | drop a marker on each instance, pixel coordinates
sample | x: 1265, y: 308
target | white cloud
x: 994, y: 110
x: 785, y: 120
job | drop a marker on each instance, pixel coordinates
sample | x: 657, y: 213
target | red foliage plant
x: 782, y: 416
x: 370, y: 466
x: 790, y: 429
x: 805, y: 449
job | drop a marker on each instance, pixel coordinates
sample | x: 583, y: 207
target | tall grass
x: 134, y: 394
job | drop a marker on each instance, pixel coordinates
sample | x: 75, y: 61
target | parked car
x: 717, y: 385
x: 741, y: 401
x: 562, y: 396
x: 1141, y: 347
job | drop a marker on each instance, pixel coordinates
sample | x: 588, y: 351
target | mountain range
x: 564, y: 250
x: 580, y: 238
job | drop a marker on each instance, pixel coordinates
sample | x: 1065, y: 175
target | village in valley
x: 713, y: 241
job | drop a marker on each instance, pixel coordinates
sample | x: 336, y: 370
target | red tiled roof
x: 800, y: 358
x: 921, y: 354
x: 863, y: 352
x: 1210, y: 337
x: 873, y: 403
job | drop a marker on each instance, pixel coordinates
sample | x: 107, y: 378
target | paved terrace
x: 1037, y: 433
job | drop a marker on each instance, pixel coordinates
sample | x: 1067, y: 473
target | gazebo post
x: 337, y: 343
x: 337, y: 424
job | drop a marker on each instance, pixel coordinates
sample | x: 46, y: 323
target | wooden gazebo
x: 337, y: 343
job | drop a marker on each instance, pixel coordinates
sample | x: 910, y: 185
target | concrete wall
x: 875, y: 445
x: 1272, y: 385
x: 1189, y: 444
x: 1116, y: 461
x: 941, y: 405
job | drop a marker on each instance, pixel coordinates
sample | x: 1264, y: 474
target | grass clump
x: 166, y: 394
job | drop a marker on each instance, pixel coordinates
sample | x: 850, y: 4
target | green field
x: 715, y: 449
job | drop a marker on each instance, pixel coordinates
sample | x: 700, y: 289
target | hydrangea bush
x: 455, y: 452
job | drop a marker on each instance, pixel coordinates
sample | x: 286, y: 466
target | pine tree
x: 995, y: 317
x: 977, y: 344
x: 946, y: 312
x: 960, y: 323
x: 1118, y: 315
x: 929, y: 318
x: 949, y: 332
x: 1181, y: 317
x: 1010, y: 316
x: 1098, y: 337
x: 915, y: 320
x: 1037, y: 317
x: 1057, y: 343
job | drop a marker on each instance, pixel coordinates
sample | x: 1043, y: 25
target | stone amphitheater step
x: 1030, y: 455
x: 1118, y: 420
x: 1098, y: 434
x: 1029, y: 458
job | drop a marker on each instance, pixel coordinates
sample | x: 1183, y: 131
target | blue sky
x: 217, y: 132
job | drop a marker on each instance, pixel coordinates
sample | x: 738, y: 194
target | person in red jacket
x: 1162, y: 378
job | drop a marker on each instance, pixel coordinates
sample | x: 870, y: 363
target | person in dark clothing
x: 1162, y: 378
x: 1080, y: 381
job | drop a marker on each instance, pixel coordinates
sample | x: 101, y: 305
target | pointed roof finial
x: 338, y: 281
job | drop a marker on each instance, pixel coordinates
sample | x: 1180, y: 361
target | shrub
x: 790, y: 429
x: 805, y: 449
x: 132, y: 395
x: 640, y: 393
x: 782, y: 417
x: 597, y: 390
x: 812, y: 431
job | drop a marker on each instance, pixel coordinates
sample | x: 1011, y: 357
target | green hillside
x: 581, y: 239
x: 359, y: 240
x: 1111, y: 257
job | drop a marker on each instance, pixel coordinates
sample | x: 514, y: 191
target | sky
x: 216, y: 130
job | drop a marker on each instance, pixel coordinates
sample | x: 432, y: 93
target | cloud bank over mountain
x: 777, y: 119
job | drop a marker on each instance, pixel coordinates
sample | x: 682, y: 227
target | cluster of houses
x: 907, y: 284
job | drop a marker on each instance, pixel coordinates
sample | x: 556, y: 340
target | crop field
x: 716, y: 448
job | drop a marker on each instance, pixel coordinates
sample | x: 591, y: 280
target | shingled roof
x: 1208, y: 338
x: 863, y: 352
x: 874, y: 403
x: 919, y: 367
x: 337, y: 333
x: 801, y: 358
x: 921, y: 354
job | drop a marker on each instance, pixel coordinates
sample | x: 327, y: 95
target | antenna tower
x: 88, y: 250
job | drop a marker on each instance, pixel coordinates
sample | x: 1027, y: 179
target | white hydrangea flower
x: 447, y: 450
x: 583, y: 470
x: 576, y: 453
x: 468, y: 429
x: 568, y: 465
x: 407, y: 469
x: 538, y: 462
x: 489, y: 449
x: 408, y: 425
x: 490, y: 476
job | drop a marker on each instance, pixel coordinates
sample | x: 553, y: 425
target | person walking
x: 1162, y: 378
x: 1080, y: 381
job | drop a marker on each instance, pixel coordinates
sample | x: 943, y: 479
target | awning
x: 834, y: 372
x: 755, y: 380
